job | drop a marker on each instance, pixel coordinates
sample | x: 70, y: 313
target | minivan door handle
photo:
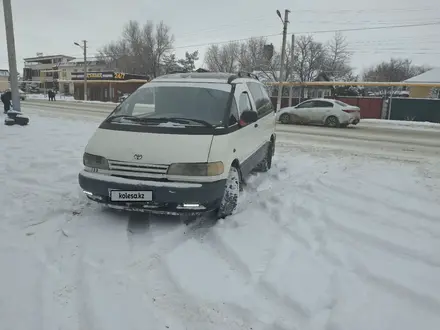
x: 256, y: 125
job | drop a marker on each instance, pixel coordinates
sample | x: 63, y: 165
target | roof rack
x: 231, y: 78
x: 247, y: 74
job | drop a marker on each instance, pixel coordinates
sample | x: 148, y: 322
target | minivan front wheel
x: 266, y: 163
x: 230, y: 196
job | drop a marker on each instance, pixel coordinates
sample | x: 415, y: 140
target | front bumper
x: 168, y: 197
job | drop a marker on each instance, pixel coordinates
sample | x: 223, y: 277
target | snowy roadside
x: 373, y: 122
x: 38, y: 97
x: 325, y: 240
x: 402, y: 124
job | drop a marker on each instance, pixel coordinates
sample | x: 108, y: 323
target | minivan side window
x: 261, y: 98
x: 267, y: 100
x: 244, y: 102
x: 234, y: 117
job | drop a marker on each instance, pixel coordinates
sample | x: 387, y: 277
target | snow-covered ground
x: 323, y: 241
x: 30, y: 96
x: 59, y: 97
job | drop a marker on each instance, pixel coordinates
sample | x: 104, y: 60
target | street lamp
x: 285, y: 21
x: 84, y: 48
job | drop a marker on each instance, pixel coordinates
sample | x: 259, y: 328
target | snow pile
x: 45, y: 97
x: 59, y: 97
x: 319, y: 242
x: 401, y: 123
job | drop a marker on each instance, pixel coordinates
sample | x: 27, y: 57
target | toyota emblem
x: 137, y: 156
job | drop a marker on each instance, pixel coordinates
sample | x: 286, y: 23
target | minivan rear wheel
x: 229, y: 201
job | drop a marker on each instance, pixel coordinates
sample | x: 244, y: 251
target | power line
x: 314, y: 32
x: 371, y: 28
x: 307, y: 32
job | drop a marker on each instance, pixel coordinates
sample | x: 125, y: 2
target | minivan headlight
x: 196, y: 169
x: 95, y: 161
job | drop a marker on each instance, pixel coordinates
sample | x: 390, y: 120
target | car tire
x: 21, y: 120
x: 285, y: 118
x: 266, y: 163
x: 332, y: 121
x: 229, y: 201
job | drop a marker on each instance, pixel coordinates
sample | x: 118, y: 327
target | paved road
x: 416, y: 144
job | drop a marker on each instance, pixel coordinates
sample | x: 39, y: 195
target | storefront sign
x: 107, y: 75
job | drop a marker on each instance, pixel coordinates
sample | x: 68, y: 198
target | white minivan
x: 182, y: 143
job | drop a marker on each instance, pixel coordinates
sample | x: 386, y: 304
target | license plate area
x: 131, y: 196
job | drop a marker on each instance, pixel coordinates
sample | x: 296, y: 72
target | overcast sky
x: 51, y: 26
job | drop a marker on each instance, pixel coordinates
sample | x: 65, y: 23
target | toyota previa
x: 184, y: 142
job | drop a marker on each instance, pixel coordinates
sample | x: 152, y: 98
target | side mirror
x: 247, y: 117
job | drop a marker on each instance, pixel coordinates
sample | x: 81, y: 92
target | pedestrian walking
x: 6, y: 99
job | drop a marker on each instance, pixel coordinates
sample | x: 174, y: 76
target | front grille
x: 137, y: 170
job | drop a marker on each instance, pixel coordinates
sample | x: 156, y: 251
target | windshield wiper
x: 187, y: 120
x: 179, y: 120
x: 129, y: 117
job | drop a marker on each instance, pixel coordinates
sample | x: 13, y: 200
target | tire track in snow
x: 362, y: 197
x: 326, y: 193
x: 263, y: 291
x: 365, y: 266
x: 169, y: 295
x: 418, y: 250
x: 357, y: 208
x: 373, y: 240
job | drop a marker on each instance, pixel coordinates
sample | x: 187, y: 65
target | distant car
x: 22, y: 95
x: 327, y: 112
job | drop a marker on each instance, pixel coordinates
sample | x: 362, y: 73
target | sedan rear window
x: 342, y: 103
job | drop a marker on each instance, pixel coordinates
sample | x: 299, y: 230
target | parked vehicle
x: 183, y: 143
x: 123, y: 97
x: 22, y: 95
x: 328, y: 112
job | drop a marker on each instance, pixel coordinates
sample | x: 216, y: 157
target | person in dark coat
x: 6, y: 99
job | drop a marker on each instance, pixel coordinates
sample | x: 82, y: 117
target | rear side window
x: 308, y: 104
x: 341, y: 103
x: 261, y: 98
x: 323, y: 104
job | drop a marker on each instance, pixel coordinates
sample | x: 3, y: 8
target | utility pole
x: 85, y: 69
x: 84, y: 48
x: 10, y: 40
x: 283, y: 54
x: 292, y: 70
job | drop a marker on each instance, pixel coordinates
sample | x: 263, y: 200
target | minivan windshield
x: 180, y: 105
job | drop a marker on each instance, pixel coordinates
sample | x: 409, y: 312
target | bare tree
x: 337, y: 59
x: 223, y: 58
x: 310, y: 58
x: 395, y: 70
x: 140, y: 48
x: 251, y: 55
